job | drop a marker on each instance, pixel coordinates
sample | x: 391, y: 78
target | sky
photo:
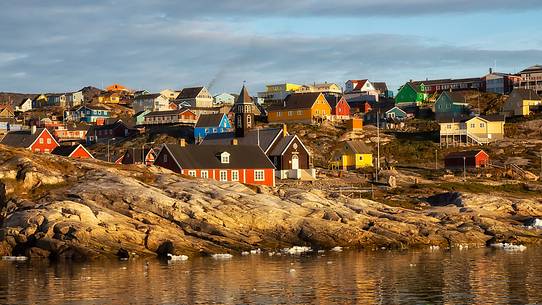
x: 64, y: 45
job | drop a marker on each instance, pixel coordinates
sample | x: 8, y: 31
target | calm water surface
x: 479, y: 276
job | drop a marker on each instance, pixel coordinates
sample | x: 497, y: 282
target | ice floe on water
x: 222, y: 256
x: 337, y: 249
x: 14, y: 258
x: 434, y: 248
x: 297, y: 250
x: 509, y: 247
x: 172, y: 257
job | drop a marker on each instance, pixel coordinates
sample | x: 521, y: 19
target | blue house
x: 211, y: 124
x: 91, y: 114
x: 452, y: 105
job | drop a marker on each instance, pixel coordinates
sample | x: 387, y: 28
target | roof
x: 210, y: 120
x: 466, y: 154
x: 95, y: 107
x: 23, y: 138
x: 148, y: 96
x: 430, y: 82
x: 493, y: 118
x: 116, y: 87
x: 359, y: 147
x: 244, y: 97
x: 526, y: 94
x: 266, y: 137
x: 167, y: 112
x: 137, y: 154
x: 380, y: 86
x: 414, y: 86
x: 535, y: 68
x: 333, y: 99
x: 457, y: 97
x: 297, y: 101
x: 65, y: 150
x: 109, y: 126
x: 208, y: 156
x: 282, y: 144
x: 189, y: 93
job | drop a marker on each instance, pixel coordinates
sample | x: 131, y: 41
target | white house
x: 151, y: 102
x: 224, y: 99
x: 24, y: 105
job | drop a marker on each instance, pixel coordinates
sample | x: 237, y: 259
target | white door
x: 295, y: 162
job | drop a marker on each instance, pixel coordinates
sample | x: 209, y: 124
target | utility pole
x: 464, y: 168
x: 436, y: 159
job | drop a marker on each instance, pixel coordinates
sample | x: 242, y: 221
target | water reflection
x: 480, y: 276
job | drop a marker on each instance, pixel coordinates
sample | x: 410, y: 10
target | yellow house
x: 352, y: 155
x: 521, y: 101
x: 277, y: 93
x: 476, y: 130
x: 109, y: 97
x: 301, y: 108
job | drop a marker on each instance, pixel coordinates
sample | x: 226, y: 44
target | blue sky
x: 63, y: 45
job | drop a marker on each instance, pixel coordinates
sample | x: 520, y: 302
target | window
x: 165, y: 158
x: 299, y: 112
x: 192, y: 173
x: 449, y: 126
x: 482, y: 125
x: 361, y: 158
x: 472, y: 125
x: 225, y: 157
x: 48, y: 140
x: 259, y: 175
x: 223, y: 176
x: 204, y: 174
x: 249, y: 121
x: 234, y: 175
x: 46, y: 150
x: 279, y: 113
x: 290, y: 113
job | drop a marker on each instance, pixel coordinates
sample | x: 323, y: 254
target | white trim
x: 206, y: 173
x: 244, y: 176
x: 39, y: 136
x: 259, y: 170
x: 287, y: 146
x: 220, y: 175
x: 274, y: 140
x: 234, y: 171
x: 91, y: 156
x: 171, y: 155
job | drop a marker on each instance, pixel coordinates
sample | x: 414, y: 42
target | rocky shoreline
x: 61, y: 208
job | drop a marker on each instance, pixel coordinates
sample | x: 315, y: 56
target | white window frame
x: 48, y: 140
x: 223, y: 175
x: 192, y: 173
x: 259, y: 175
x: 41, y: 140
x: 235, y: 175
x: 205, y: 174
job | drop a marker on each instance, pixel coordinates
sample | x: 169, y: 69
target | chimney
x: 182, y: 142
x: 284, y: 130
x: 234, y: 141
x: 490, y: 70
x: 33, y: 129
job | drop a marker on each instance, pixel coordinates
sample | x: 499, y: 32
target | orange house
x: 116, y: 88
x: 301, y: 108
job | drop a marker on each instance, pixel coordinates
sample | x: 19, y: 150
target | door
x: 295, y: 162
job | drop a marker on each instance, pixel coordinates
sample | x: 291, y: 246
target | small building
x: 71, y: 133
x: 36, y: 140
x: 24, y: 105
x: 138, y: 156
x: 224, y: 99
x: 138, y: 119
x: 151, y: 102
x: 531, y: 78
x: 170, y: 94
x: 77, y: 151
x: 89, y: 114
x: 387, y: 115
x: 276, y: 93
x: 116, y: 129
x: 477, y: 130
x: 354, y: 124
x: 411, y: 94
x: 351, y: 155
x: 522, y: 102
x: 6, y: 111
x: 340, y: 110
x: 501, y: 83
x: 182, y: 116
x: 452, y: 105
x: 109, y: 97
x: 306, y: 108
x: 468, y: 159
x: 211, y: 124
x: 227, y: 163
x: 39, y: 101
x: 117, y: 88
x: 198, y: 97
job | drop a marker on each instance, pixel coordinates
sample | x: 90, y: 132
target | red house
x: 74, y: 151
x: 136, y: 155
x: 36, y: 139
x: 340, y: 110
x: 468, y: 159
x: 242, y: 163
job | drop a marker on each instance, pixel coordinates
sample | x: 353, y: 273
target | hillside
x: 62, y: 208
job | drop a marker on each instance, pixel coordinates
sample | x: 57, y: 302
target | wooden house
x: 466, y: 159
x: 210, y: 124
x: 151, y: 102
x: 227, y: 163
x: 477, y: 130
x: 35, y: 139
x: 522, y: 102
x: 452, y: 105
x: 351, y: 155
x: 139, y: 156
x: 112, y: 130
x: 182, y: 116
x: 306, y: 108
x: 340, y: 109
x: 411, y: 94
x: 77, y: 151
x: 197, y: 97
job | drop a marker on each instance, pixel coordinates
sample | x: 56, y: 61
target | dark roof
x: 209, y: 120
x: 189, y: 93
x: 147, y: 96
x: 297, y: 101
x: 535, y: 68
x: 140, y: 113
x: 451, y: 118
x: 332, y: 99
x: 493, y: 117
x: 282, y: 144
x: 431, y: 82
x: 266, y: 136
x: 456, y: 96
x: 526, y: 94
x: 95, y: 107
x: 23, y: 138
x: 208, y: 156
x: 65, y: 150
x: 167, y: 112
x: 466, y: 154
x: 359, y: 147
x: 244, y: 97
x: 380, y: 86
x: 109, y: 126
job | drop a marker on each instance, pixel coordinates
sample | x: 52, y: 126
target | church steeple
x: 244, y: 113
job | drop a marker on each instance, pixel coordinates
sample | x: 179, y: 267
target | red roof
x: 359, y: 83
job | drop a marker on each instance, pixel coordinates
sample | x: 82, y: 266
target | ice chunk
x: 337, y: 249
x: 172, y: 257
x: 509, y: 247
x: 14, y: 258
x: 222, y: 256
x: 297, y: 250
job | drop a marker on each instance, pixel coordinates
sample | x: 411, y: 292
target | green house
x: 411, y: 94
x: 451, y: 105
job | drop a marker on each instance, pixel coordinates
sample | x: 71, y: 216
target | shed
x: 469, y: 159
